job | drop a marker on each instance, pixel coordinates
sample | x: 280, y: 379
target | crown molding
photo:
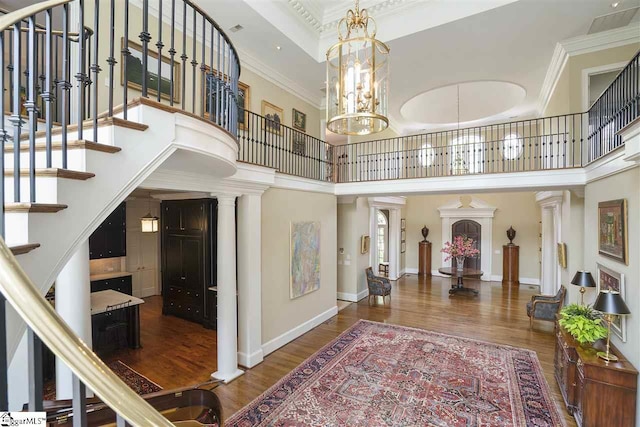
x: 258, y: 67
x: 579, y: 46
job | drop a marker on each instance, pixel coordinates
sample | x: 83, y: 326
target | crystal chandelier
x: 357, y: 77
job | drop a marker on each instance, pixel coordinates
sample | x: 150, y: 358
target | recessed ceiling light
x: 615, y: 4
x: 279, y: 47
x: 236, y: 28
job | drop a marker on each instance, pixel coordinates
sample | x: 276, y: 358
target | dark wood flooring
x: 178, y: 353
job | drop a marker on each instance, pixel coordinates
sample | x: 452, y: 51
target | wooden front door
x: 470, y: 229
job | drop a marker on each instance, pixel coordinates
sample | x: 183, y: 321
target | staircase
x: 71, y: 156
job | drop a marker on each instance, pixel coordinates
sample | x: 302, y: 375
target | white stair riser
x: 46, y: 189
x: 75, y: 159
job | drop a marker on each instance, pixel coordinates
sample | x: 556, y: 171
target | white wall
x: 353, y: 223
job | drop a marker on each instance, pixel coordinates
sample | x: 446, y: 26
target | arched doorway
x: 471, y: 229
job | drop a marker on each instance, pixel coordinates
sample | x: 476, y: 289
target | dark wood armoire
x: 189, y: 236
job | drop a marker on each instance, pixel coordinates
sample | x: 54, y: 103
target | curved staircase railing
x: 53, y: 93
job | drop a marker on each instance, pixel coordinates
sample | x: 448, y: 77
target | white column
x: 548, y: 284
x: 73, y: 304
x: 394, y: 243
x: 227, y: 311
x: 373, y: 239
x: 249, y: 280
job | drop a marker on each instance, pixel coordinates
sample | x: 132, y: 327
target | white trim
x: 411, y: 270
x: 291, y: 182
x: 227, y: 378
x: 611, y: 164
x: 292, y: 334
x: 250, y: 360
x: 587, y: 72
x: 579, y: 46
x: 345, y: 296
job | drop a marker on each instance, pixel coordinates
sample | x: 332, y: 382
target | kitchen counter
x: 110, y: 275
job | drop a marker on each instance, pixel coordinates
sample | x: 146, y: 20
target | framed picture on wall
x: 365, y: 242
x: 299, y: 120
x: 244, y: 99
x: 272, y: 117
x: 134, y: 72
x: 608, y: 279
x: 612, y: 230
x: 562, y: 255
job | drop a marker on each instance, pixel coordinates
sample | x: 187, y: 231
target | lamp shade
x: 610, y: 302
x: 149, y: 224
x: 583, y: 279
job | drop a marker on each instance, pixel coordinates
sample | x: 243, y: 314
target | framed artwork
x: 403, y: 224
x: 403, y: 247
x: 612, y: 230
x: 365, y: 243
x: 273, y: 117
x: 134, y: 72
x: 299, y: 120
x: 608, y: 279
x: 298, y: 145
x: 244, y: 100
x: 305, y: 258
x: 562, y: 255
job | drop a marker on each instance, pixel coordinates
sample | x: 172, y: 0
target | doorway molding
x: 478, y: 211
x: 394, y: 205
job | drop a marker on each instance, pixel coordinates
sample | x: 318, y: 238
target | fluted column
x: 250, y: 280
x: 227, y: 291
x: 73, y: 304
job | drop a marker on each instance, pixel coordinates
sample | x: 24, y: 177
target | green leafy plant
x: 583, y: 323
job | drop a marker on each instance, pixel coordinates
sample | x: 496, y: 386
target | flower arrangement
x: 462, y: 246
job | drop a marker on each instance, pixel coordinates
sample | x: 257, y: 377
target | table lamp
x: 610, y: 304
x: 584, y: 280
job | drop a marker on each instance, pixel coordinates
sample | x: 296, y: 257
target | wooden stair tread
x: 71, y: 145
x: 34, y: 207
x: 23, y: 249
x: 87, y: 126
x: 54, y: 172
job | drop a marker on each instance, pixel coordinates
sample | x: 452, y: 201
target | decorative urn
x: 425, y: 233
x: 511, y: 234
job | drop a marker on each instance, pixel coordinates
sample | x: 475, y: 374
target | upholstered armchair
x: 545, y: 307
x: 378, y: 286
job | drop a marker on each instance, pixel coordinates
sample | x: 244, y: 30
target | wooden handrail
x: 6, y: 21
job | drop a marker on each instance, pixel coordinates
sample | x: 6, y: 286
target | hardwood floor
x: 178, y: 353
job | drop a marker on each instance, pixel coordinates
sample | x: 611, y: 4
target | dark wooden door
x: 469, y: 228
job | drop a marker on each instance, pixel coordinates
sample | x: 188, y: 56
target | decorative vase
x: 460, y: 263
x: 511, y: 234
x: 425, y: 233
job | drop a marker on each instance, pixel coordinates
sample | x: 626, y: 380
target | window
x: 512, y: 146
x: 467, y: 154
x: 426, y: 155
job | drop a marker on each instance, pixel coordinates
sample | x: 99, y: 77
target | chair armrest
x: 543, y: 302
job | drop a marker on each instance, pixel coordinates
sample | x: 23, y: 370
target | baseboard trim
x: 410, y: 271
x: 250, y: 360
x: 292, y: 334
x: 346, y: 296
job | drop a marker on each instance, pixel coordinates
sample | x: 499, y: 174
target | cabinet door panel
x: 192, y: 262
x: 193, y: 218
x: 171, y: 214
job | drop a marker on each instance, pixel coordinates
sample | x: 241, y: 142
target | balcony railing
x: 618, y: 106
x: 548, y: 143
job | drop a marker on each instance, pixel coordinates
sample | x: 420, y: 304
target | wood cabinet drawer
x: 120, y: 284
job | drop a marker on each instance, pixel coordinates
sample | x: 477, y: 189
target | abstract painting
x: 305, y: 258
x: 612, y: 281
x: 612, y: 229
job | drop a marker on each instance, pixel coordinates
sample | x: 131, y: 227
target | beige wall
x: 623, y: 185
x: 353, y: 223
x: 279, y: 208
x: 567, y: 95
x: 519, y: 210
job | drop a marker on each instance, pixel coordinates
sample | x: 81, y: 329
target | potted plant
x: 583, y: 323
x: 461, y: 248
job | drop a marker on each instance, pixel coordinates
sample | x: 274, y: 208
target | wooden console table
x: 595, y: 392
x: 459, y: 285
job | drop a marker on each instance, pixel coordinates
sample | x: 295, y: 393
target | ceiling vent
x: 236, y: 28
x: 613, y: 20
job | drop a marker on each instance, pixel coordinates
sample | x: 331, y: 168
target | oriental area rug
x: 377, y: 374
x: 138, y: 382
